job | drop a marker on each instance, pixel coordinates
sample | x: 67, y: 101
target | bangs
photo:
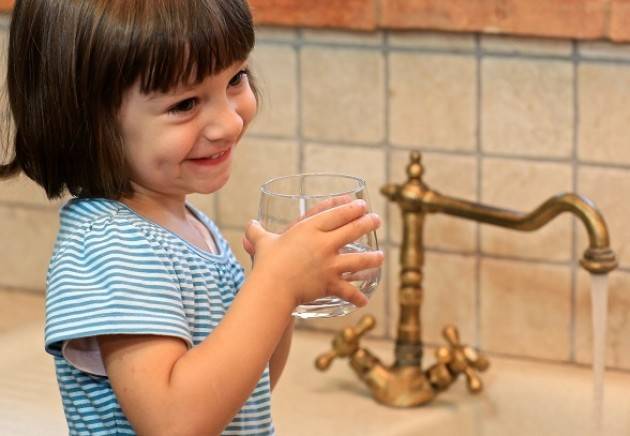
x: 171, y: 42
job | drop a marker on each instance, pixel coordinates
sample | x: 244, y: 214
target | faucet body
x: 404, y: 383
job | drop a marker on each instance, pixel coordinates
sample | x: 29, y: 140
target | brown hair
x: 71, y: 61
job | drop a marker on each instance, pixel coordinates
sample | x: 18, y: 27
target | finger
x: 339, y: 216
x: 329, y: 203
x: 353, y: 230
x: 358, y: 262
x: 349, y: 293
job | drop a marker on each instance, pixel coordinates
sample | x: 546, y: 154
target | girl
x: 131, y: 105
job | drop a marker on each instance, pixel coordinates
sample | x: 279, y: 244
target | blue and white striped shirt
x: 114, y: 272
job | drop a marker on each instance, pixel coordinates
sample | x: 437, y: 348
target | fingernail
x: 362, y: 203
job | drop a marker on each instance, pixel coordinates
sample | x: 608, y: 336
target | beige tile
x: 432, y: 100
x: 527, y: 107
x: 604, y: 49
x: 264, y: 33
x: 343, y: 94
x: 432, y: 40
x: 19, y: 308
x: 377, y: 307
x: 275, y: 68
x: 449, y: 175
x: 520, y: 45
x: 255, y: 161
x: 204, y: 202
x: 23, y: 190
x: 235, y: 239
x: 525, y: 309
x: 448, y: 296
x: 365, y: 162
x: 604, y: 90
x: 523, y: 186
x: 27, y: 236
x: 342, y: 37
x: 618, y: 325
x: 609, y: 189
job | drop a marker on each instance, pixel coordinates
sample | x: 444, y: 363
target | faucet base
x: 405, y: 386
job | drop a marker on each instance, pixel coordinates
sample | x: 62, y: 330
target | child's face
x: 181, y: 142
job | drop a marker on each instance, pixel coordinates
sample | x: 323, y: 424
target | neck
x: 157, y: 206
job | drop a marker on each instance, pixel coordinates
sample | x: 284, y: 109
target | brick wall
x: 579, y: 19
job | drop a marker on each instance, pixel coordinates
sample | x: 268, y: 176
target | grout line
x: 542, y: 360
x: 475, y: 51
x: 391, y: 295
x: 463, y: 253
x: 10, y: 204
x: 462, y: 153
x: 574, y: 181
x: 300, y: 113
x: 479, y: 176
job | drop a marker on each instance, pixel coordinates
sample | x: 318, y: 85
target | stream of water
x: 599, y: 301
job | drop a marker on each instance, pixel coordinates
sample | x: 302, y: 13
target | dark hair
x: 70, y: 62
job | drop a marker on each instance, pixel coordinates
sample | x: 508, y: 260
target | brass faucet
x: 404, y: 383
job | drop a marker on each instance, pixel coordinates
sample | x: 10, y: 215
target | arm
x: 280, y: 355
x: 163, y: 388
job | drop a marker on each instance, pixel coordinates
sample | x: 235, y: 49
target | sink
x: 520, y: 398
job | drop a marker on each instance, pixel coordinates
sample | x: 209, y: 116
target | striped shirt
x: 114, y: 272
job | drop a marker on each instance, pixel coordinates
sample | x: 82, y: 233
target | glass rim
x: 360, y: 185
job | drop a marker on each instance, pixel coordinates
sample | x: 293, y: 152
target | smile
x: 213, y: 159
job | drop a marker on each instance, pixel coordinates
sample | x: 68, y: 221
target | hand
x: 326, y: 204
x: 305, y: 261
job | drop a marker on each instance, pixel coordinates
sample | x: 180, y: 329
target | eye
x: 238, y: 78
x: 184, y: 106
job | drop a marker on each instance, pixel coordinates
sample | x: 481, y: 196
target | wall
x: 503, y: 120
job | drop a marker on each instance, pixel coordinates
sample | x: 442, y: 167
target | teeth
x: 217, y: 155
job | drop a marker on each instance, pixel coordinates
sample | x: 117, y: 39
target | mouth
x: 213, y: 159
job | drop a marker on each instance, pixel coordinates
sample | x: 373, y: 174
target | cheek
x: 247, y: 108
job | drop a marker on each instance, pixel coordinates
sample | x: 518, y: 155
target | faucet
x: 405, y: 383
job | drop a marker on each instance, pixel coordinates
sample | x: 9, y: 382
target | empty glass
x: 286, y: 200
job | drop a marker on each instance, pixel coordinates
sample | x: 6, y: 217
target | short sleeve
x: 109, y: 278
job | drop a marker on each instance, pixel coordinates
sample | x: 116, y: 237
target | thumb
x: 248, y: 246
x: 253, y: 233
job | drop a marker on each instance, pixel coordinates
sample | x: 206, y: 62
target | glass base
x: 324, y: 308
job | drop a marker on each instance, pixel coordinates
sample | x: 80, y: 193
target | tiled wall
x: 500, y: 120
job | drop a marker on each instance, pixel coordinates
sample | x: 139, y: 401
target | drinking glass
x: 286, y: 200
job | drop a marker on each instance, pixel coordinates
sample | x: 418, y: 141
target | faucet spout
x: 598, y: 257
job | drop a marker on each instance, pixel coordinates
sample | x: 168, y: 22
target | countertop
x: 520, y: 397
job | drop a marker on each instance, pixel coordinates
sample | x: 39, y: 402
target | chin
x: 214, y: 186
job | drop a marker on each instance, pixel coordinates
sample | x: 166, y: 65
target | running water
x: 599, y: 307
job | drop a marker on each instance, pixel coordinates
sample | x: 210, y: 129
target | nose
x: 223, y: 123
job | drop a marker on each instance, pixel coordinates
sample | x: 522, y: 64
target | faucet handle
x: 346, y: 342
x: 459, y: 359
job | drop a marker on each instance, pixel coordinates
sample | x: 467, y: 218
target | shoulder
x: 98, y: 231
x: 99, y: 219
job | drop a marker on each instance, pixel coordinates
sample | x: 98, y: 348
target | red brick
x: 348, y: 14
x: 619, y: 27
x: 6, y: 5
x: 552, y: 18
